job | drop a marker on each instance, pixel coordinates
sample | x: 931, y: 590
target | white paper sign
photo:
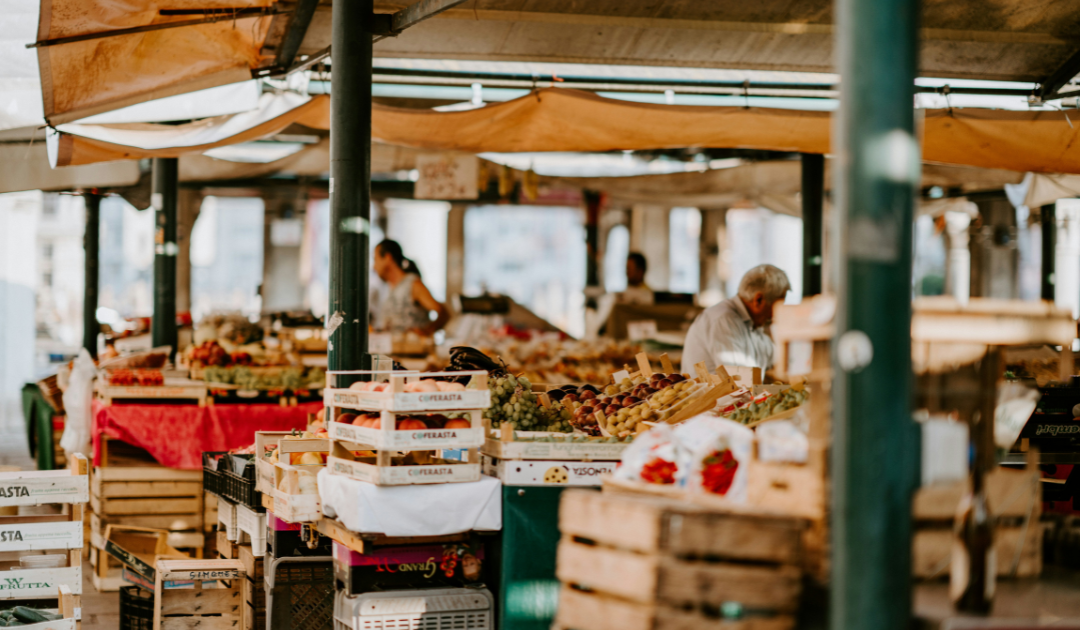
x: 380, y: 343
x: 638, y: 331
x: 444, y: 176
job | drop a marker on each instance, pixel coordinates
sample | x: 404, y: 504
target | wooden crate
x: 646, y: 562
x: 202, y: 607
x: 1014, y: 500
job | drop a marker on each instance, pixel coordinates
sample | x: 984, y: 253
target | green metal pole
x: 1048, y: 219
x: 350, y: 184
x: 875, y: 442
x: 813, y: 202
x: 91, y: 241
x: 165, y: 188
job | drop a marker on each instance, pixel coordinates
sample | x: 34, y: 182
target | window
x: 615, y: 252
x: 227, y: 239
x: 760, y: 236
x: 684, y: 246
x: 536, y: 255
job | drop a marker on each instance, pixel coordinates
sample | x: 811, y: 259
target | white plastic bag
x: 650, y: 457
x: 76, y: 438
x: 712, y: 457
x: 782, y: 441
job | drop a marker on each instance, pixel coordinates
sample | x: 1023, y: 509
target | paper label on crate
x: 419, y: 439
x: 380, y: 343
x: 548, y: 473
x: 29, y: 536
x: 39, y: 488
x: 404, y: 475
x: 134, y: 578
x: 435, y: 401
x: 39, y: 582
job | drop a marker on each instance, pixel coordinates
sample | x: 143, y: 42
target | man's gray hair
x: 770, y: 280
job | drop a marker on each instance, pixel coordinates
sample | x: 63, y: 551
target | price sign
x: 445, y: 176
x: 638, y: 331
x: 380, y: 343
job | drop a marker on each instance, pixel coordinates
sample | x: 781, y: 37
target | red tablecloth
x: 177, y: 435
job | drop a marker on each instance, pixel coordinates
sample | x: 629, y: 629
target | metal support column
x: 91, y: 240
x: 875, y: 442
x: 350, y: 184
x: 1048, y: 220
x: 165, y: 188
x: 593, y: 201
x: 813, y: 204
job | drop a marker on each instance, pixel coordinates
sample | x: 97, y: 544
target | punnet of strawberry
x: 659, y: 471
x: 718, y: 471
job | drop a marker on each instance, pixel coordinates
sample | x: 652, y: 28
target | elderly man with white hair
x: 735, y: 331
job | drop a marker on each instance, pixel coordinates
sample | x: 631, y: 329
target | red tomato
x: 457, y: 424
x: 411, y: 424
x: 346, y: 418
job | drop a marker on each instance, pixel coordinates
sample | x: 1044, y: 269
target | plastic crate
x: 239, y: 480
x: 213, y: 462
x: 429, y: 609
x: 136, y: 608
x: 300, y: 593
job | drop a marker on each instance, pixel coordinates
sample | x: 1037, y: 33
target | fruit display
x: 426, y: 385
x: 548, y: 358
x: 629, y: 403
x: 413, y: 422
x: 291, y: 378
x: 765, y: 405
x: 124, y: 377
x: 25, y: 616
x: 573, y: 438
x: 513, y: 401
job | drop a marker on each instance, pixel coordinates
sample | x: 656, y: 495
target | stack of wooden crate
x: 146, y: 496
x: 1014, y: 500
x: 54, y: 529
x: 646, y: 563
x: 252, y: 587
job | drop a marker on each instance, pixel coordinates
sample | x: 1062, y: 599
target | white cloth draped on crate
x: 421, y: 510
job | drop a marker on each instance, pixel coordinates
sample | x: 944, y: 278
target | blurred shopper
x: 736, y: 331
x: 636, y: 266
x: 408, y: 305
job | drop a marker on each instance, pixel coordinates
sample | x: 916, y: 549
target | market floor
x: 100, y: 611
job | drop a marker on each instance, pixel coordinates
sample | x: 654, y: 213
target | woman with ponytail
x: 409, y: 303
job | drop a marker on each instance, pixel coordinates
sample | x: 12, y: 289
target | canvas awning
x: 558, y: 119
x: 1005, y: 40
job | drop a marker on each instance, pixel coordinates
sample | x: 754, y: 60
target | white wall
x: 18, y: 273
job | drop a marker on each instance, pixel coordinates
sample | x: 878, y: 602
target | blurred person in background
x: 735, y: 332
x: 408, y: 305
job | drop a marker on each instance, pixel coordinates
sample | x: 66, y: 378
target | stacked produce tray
x: 521, y: 458
x: 40, y: 556
x: 394, y: 454
x: 639, y: 563
x: 232, y: 476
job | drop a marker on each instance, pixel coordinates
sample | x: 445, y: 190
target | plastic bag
x: 650, y: 457
x: 80, y: 391
x: 712, y: 456
x: 1015, y: 404
x: 782, y: 441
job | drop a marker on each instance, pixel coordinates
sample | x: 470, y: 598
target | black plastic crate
x: 238, y: 481
x: 283, y: 544
x: 136, y: 608
x: 212, y: 472
x: 300, y: 593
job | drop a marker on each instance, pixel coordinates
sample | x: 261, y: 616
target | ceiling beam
x: 298, y: 26
x: 1050, y: 88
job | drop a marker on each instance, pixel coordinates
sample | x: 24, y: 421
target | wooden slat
x: 645, y: 524
x: 209, y: 601
x: 145, y: 506
x: 110, y: 489
x: 932, y: 551
x: 146, y: 473
x: 592, y: 611
x: 225, y: 622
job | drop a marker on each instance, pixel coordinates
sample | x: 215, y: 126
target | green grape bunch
x: 513, y: 401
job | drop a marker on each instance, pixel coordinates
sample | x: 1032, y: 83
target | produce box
x: 391, y: 435
x: 409, y: 566
x: 509, y: 444
x: 641, y: 563
x: 283, y: 539
x: 296, y: 496
x: 139, y: 548
x: 547, y: 473
x: 33, y: 618
x: 396, y: 397
x: 383, y: 469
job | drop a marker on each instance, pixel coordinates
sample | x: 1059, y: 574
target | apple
x: 611, y: 410
x: 662, y: 383
x: 346, y: 418
x: 411, y: 424
x: 588, y: 395
x: 676, y: 378
x: 570, y: 398
x: 630, y: 401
